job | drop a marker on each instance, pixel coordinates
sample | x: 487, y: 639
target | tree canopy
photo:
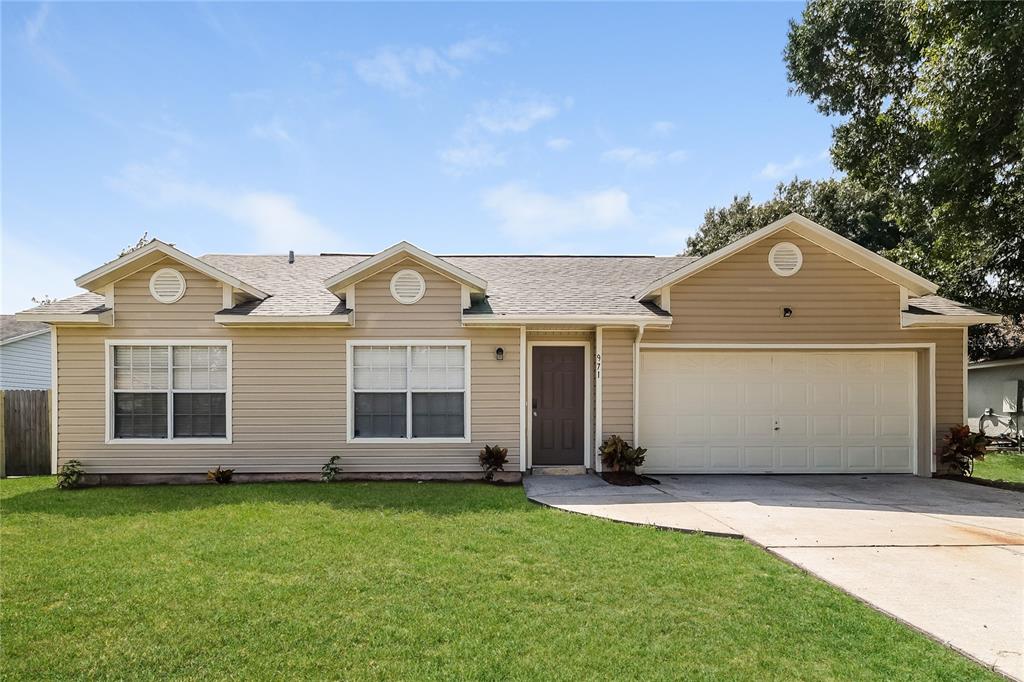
x: 930, y: 99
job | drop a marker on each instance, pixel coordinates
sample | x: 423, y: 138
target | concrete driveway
x: 943, y: 556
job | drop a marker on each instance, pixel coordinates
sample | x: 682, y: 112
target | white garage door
x: 780, y: 412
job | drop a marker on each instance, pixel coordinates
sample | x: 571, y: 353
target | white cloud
x: 274, y: 220
x: 272, y: 130
x: 461, y: 159
x: 35, y: 24
x: 474, y: 48
x: 662, y: 127
x: 559, y: 144
x: 473, y: 148
x: 399, y: 69
x: 403, y: 70
x: 776, y: 171
x: 633, y: 157
x: 528, y: 214
x: 508, y: 115
x: 30, y: 270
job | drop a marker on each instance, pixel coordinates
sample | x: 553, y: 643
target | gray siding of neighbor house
x: 25, y: 364
x: 985, y: 389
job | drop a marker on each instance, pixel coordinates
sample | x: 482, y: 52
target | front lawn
x: 410, y: 581
x: 1001, y: 466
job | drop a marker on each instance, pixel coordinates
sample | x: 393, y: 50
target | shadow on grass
x: 434, y: 498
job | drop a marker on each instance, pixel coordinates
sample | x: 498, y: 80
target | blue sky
x: 258, y: 128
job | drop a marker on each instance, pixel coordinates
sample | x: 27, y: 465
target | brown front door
x: 557, y: 403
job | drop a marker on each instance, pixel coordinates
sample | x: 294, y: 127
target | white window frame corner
x: 108, y: 432
x: 351, y: 438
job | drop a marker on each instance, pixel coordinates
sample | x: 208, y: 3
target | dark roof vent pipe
x: 291, y: 257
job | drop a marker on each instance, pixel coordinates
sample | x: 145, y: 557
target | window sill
x: 362, y: 440
x: 168, y: 441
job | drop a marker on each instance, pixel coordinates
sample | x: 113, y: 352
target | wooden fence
x: 24, y: 433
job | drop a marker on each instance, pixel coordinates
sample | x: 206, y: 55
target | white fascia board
x: 156, y: 245
x: 106, y: 318
x: 813, y: 232
x: 22, y: 337
x: 283, y: 320
x: 366, y: 267
x: 912, y: 320
x: 627, y: 320
x: 985, y: 364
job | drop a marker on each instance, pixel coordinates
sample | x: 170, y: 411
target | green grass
x: 410, y: 581
x: 1001, y: 466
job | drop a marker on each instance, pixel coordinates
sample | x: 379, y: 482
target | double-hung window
x: 409, y: 391
x: 169, y: 391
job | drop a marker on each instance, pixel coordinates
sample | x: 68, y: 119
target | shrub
x: 493, y: 458
x: 619, y: 455
x: 69, y: 474
x: 330, y: 470
x: 220, y: 475
x: 960, y: 448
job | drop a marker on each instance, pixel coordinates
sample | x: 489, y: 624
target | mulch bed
x: 628, y: 478
x: 1005, y: 485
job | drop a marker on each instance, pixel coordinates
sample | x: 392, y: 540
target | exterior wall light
x: 499, y: 353
x: 787, y: 312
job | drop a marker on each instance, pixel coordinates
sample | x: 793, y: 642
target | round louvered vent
x: 167, y: 285
x: 785, y: 259
x: 407, y: 286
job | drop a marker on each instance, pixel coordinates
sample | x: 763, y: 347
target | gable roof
x: 396, y: 253
x: 12, y: 329
x: 812, y: 232
x: 153, y: 252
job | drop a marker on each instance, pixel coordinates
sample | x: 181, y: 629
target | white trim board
x: 366, y: 268
x: 812, y: 232
x: 588, y: 454
x: 102, y: 319
x: 409, y: 440
x: 105, y: 274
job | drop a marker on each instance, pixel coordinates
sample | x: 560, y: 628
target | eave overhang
x: 102, y: 318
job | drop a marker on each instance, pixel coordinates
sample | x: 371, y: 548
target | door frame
x: 588, y: 417
x: 928, y: 347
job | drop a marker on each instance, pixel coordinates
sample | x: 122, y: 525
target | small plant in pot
x: 620, y: 460
x: 960, y: 448
x: 221, y: 476
x: 493, y: 458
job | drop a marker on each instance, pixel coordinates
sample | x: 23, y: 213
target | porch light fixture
x: 499, y: 353
x: 787, y: 312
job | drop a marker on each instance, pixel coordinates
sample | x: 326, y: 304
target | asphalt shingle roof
x: 516, y: 285
x: 11, y: 328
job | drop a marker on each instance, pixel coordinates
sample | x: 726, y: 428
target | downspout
x: 636, y: 383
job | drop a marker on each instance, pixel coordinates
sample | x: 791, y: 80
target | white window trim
x: 170, y: 440
x: 350, y: 392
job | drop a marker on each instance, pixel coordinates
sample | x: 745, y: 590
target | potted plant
x: 960, y: 448
x: 620, y: 460
x: 493, y: 458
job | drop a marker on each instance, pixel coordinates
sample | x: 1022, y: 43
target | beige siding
x: 740, y: 300
x: 289, y: 389
x: 617, y: 386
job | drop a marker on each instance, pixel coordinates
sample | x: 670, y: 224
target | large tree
x: 931, y: 98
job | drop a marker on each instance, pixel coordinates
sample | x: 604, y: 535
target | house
x: 995, y: 383
x: 792, y: 350
x: 25, y: 354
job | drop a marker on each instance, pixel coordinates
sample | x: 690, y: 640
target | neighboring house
x: 25, y: 354
x: 792, y: 350
x: 994, y: 383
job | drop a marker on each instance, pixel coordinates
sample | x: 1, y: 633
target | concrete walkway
x: 943, y: 556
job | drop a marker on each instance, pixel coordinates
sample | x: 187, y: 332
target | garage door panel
x: 795, y: 412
